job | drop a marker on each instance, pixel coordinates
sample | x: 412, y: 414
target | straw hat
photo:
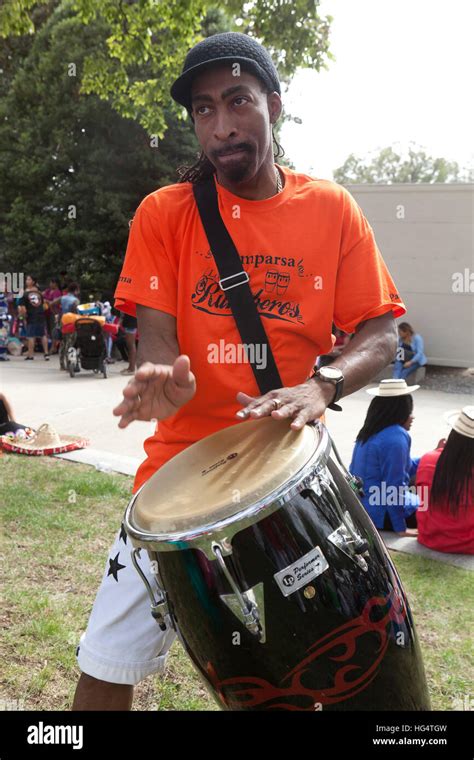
x: 461, y: 420
x: 392, y: 387
x: 44, y: 441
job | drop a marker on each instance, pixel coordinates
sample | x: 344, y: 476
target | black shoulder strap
x: 235, y: 282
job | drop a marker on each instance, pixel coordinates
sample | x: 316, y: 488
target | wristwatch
x: 332, y: 375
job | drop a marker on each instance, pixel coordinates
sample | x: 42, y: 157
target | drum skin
x: 345, y: 641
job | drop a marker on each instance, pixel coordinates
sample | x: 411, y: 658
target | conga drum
x: 273, y: 575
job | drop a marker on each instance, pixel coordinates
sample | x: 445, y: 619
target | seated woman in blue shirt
x: 381, y: 458
x: 410, y: 351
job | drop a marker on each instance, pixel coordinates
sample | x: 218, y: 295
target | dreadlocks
x: 203, y: 168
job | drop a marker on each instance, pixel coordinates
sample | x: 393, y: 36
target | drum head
x: 221, y: 475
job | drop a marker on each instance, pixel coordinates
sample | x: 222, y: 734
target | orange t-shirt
x: 312, y: 260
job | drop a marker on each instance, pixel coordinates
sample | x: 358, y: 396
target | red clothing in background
x: 440, y: 530
x: 50, y: 294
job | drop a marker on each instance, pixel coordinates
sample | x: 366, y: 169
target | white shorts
x: 123, y: 643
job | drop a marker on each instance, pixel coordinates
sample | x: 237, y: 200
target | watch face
x: 332, y: 373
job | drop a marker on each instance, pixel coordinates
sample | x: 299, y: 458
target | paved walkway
x: 409, y: 545
x: 39, y: 393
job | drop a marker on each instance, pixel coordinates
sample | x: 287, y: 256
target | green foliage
x: 72, y: 169
x: 390, y: 165
x: 139, y: 56
x: 15, y: 18
x: 133, y: 66
x: 85, y: 99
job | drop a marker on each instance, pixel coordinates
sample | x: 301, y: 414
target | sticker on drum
x: 299, y: 573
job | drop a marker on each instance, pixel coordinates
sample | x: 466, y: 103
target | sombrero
x: 45, y: 441
x: 461, y: 420
x: 392, y: 387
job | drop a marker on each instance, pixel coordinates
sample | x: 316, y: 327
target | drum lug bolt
x: 159, y: 608
x: 225, y: 547
x: 245, y: 609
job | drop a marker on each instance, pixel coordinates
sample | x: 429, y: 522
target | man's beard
x: 235, y: 172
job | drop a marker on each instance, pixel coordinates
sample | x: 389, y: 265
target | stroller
x: 85, y: 347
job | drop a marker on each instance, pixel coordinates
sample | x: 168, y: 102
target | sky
x: 401, y: 74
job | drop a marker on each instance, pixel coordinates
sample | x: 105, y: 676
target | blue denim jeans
x: 399, y: 371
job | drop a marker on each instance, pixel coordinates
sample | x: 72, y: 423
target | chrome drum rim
x: 223, y: 531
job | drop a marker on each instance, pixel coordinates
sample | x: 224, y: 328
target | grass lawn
x: 58, y: 522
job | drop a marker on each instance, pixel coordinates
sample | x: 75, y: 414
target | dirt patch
x: 449, y: 379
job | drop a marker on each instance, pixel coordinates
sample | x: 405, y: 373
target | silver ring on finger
x: 139, y: 398
x: 276, y: 404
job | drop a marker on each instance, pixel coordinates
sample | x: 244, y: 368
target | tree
x: 133, y: 66
x: 87, y: 126
x: 73, y: 171
x: 390, y: 165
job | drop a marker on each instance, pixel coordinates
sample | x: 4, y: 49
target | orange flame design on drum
x: 257, y: 691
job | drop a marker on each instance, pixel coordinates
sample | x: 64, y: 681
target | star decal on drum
x: 115, y: 566
x: 123, y: 534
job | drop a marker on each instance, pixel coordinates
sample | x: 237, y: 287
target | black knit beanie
x: 229, y: 46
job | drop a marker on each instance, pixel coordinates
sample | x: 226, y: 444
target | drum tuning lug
x: 247, y: 606
x: 252, y: 612
x: 350, y: 542
x: 314, y: 485
x: 224, y: 545
x: 361, y: 546
x: 159, y: 608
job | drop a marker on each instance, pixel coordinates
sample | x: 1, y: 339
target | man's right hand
x: 156, y: 391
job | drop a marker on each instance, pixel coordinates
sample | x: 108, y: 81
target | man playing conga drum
x: 311, y: 259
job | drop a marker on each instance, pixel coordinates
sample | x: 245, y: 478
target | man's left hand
x: 303, y: 403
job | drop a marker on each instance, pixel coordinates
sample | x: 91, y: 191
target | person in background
x: 8, y: 296
x: 7, y: 423
x: 19, y: 323
x: 445, y: 480
x: 121, y: 345
x: 68, y: 305
x: 129, y: 325
x: 118, y: 339
x: 51, y: 296
x: 381, y: 458
x: 31, y: 306
x: 105, y: 306
x: 410, y: 352
x: 5, y: 320
x: 70, y: 302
